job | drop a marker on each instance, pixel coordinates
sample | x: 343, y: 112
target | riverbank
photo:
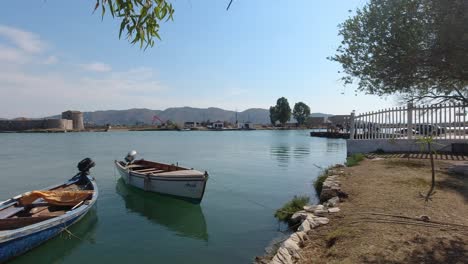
x: 385, y: 220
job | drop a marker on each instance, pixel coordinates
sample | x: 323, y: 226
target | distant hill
x: 175, y: 114
x: 320, y: 115
x: 178, y: 115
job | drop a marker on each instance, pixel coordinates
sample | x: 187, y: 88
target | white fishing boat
x: 168, y: 179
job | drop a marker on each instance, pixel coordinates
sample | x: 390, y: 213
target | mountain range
x: 178, y: 115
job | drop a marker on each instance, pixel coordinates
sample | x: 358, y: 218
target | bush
x: 354, y: 159
x: 296, y: 204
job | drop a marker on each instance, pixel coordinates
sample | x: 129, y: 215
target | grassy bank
x: 354, y: 159
x: 381, y: 221
x: 297, y: 203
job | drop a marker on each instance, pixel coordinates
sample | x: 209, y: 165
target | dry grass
x: 392, y: 187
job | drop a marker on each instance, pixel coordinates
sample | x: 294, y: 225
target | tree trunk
x: 431, y: 190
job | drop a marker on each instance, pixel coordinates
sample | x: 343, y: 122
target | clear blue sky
x: 57, y: 55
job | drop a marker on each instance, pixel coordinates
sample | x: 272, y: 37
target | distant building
x: 339, y: 122
x: 24, y: 124
x: 315, y: 122
x: 246, y: 125
x: 76, y: 117
x: 71, y: 120
x: 191, y: 124
x: 217, y: 125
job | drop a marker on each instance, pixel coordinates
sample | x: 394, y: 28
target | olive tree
x: 414, y: 48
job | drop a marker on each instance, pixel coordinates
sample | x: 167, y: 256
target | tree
x: 140, y: 19
x: 273, y: 115
x: 281, y: 111
x: 301, y: 112
x: 416, y: 48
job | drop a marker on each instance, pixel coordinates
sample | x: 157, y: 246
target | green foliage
x: 296, y: 204
x: 354, y: 159
x: 318, y: 183
x: 273, y: 117
x: 281, y: 111
x: 140, y: 19
x: 417, y: 48
x: 301, y: 112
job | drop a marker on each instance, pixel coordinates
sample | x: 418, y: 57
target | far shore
x: 152, y: 128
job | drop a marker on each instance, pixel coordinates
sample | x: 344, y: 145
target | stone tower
x: 76, y: 117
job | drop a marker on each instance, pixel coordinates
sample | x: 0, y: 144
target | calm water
x: 247, y: 169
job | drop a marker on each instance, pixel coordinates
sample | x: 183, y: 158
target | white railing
x: 447, y: 121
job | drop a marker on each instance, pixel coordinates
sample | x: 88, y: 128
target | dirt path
x: 359, y: 233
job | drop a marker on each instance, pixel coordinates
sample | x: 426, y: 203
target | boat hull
x: 184, y: 188
x: 16, y: 242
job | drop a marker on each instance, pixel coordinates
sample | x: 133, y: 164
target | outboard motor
x: 84, y: 166
x: 130, y: 156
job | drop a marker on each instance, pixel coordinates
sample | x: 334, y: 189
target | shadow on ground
x: 455, y: 182
x: 437, y: 251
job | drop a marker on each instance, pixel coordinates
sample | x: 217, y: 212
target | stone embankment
x: 311, y: 217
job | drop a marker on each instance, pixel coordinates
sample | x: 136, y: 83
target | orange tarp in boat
x: 65, y: 198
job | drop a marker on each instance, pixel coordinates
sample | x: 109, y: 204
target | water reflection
x: 335, y: 145
x: 301, y: 152
x: 283, y: 153
x: 184, y: 218
x: 57, y: 249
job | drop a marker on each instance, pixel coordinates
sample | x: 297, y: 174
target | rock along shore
x: 313, y: 216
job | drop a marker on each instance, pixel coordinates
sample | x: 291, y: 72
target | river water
x: 251, y: 174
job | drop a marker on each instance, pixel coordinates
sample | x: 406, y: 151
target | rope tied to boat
x: 71, y: 234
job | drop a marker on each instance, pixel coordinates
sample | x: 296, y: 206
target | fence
x: 442, y: 122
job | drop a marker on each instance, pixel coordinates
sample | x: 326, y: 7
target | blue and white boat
x: 26, y: 225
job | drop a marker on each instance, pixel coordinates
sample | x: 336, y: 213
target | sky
x: 57, y: 55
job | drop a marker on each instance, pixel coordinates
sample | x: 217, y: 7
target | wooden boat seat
x: 13, y: 223
x: 144, y: 170
x: 155, y: 171
x: 10, y: 211
x: 135, y: 166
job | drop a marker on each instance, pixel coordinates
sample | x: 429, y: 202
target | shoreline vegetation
x: 381, y: 217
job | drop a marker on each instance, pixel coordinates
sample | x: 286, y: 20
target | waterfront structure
x: 191, y: 124
x: 32, y: 124
x: 71, y: 120
x: 76, y: 117
x: 246, y: 125
x: 218, y: 125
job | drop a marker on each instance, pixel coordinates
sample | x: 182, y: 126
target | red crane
x: 156, y: 118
